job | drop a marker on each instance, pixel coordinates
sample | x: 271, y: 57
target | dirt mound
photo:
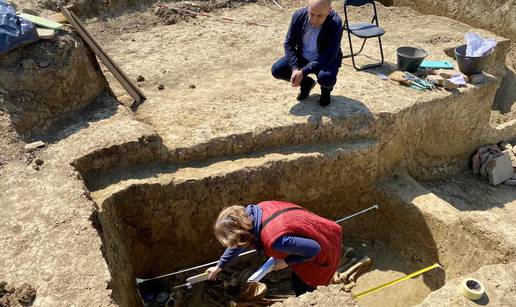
x: 87, y: 8
x: 171, y: 14
x: 47, y: 80
x: 24, y: 295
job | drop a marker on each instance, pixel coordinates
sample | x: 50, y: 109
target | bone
x: 354, y: 276
x: 349, y: 286
x: 345, y: 275
x: 347, y: 265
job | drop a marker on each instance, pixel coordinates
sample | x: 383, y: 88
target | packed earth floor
x: 123, y: 190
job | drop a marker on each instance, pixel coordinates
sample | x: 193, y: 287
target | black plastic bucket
x: 409, y: 58
x: 468, y: 64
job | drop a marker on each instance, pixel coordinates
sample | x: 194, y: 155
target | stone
x: 511, y: 154
x: 43, y: 64
x: 191, y: 86
x: 35, y: 145
x: 483, y: 149
x: 476, y: 164
x: 476, y: 78
x: 504, y: 145
x: 29, y: 64
x: 161, y: 87
x: 484, y: 157
x: 499, y: 169
x: 39, y: 161
x: 140, y: 79
x: 35, y: 167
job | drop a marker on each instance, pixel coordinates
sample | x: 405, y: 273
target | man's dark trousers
x: 282, y: 70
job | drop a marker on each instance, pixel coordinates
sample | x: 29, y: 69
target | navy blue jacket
x: 328, y: 43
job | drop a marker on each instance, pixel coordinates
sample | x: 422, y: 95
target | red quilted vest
x: 302, y: 223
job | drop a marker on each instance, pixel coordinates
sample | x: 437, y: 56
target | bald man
x: 312, y: 46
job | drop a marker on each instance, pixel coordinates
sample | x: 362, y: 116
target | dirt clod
x: 10, y: 296
x: 161, y: 87
x: 140, y: 79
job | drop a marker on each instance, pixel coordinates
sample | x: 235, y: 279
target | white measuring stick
x: 355, y: 214
x: 140, y: 280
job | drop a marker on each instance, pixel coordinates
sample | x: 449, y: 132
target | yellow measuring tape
x: 390, y: 283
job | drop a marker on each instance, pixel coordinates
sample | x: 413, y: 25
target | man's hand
x: 213, y: 271
x: 280, y: 264
x: 296, y: 78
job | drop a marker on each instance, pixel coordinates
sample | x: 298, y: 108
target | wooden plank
x: 58, y: 17
x: 40, y: 21
x: 128, y: 85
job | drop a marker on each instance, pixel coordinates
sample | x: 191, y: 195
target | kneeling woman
x: 310, y: 244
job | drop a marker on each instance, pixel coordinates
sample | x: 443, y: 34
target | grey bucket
x: 468, y: 64
x: 409, y: 58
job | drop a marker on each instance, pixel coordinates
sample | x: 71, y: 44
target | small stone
x: 43, y: 64
x: 39, y: 161
x: 364, y: 245
x: 35, y: 167
x: 140, y: 79
x: 29, y: 64
x: 476, y: 78
x: 499, y: 169
x: 161, y: 87
x: 35, y: 145
x: 191, y: 86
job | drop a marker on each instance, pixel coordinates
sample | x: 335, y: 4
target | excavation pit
x: 156, y: 235
x: 222, y: 132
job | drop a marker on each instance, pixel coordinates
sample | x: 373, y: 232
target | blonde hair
x: 233, y: 227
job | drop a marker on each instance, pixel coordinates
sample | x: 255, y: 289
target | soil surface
x: 217, y: 129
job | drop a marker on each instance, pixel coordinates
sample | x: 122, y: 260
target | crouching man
x: 312, y: 46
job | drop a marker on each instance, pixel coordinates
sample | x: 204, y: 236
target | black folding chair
x: 364, y: 30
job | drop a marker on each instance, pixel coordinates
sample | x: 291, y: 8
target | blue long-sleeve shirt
x: 298, y: 249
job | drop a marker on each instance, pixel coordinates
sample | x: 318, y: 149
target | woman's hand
x: 213, y: 271
x: 280, y: 265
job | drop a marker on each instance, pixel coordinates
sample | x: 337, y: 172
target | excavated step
x: 105, y: 185
x: 466, y: 240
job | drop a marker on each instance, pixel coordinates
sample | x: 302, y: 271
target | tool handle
x: 263, y: 270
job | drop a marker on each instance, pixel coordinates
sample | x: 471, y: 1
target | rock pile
x: 497, y: 163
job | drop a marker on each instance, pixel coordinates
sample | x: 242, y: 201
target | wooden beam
x: 128, y: 85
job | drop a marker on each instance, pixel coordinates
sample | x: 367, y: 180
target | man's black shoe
x: 325, y: 98
x: 307, y: 84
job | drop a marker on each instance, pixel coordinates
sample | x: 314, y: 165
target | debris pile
x: 182, y: 11
x: 497, y: 163
x: 24, y: 295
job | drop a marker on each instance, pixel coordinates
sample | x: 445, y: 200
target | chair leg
x: 381, y: 48
x: 375, y: 64
x: 355, y: 54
